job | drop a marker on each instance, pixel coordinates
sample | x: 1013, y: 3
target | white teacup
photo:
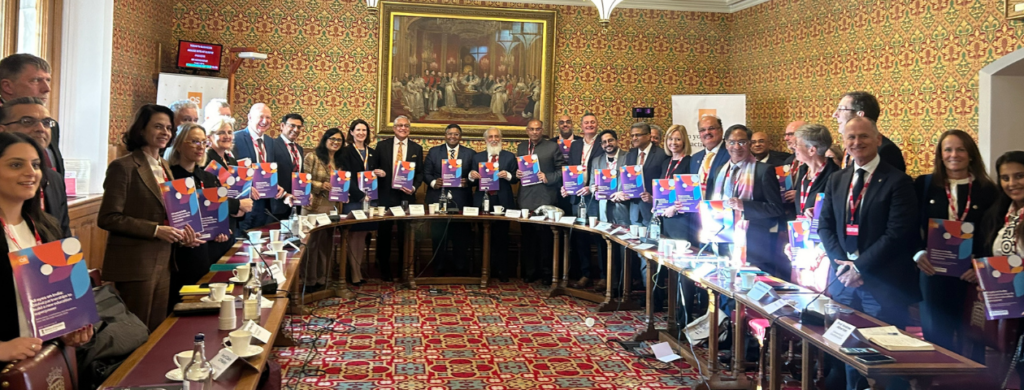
x: 525, y: 213
x: 276, y: 246
x: 239, y: 341
x: 275, y: 234
x: 593, y: 221
x: 642, y: 231
x: 634, y: 230
x: 217, y: 291
x: 280, y: 256
x: 255, y: 236
x: 241, y: 273
x: 747, y: 280
x: 499, y: 209
x: 182, y: 358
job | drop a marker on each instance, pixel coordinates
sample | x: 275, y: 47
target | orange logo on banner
x: 196, y: 97
x: 702, y: 112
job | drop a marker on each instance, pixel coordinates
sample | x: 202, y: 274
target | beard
x: 493, y: 149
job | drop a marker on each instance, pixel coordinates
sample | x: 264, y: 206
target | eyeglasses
x: 609, y: 141
x: 740, y: 143
x: 790, y: 134
x: 293, y: 126
x: 565, y: 122
x: 758, y: 142
x: 403, y: 126
x: 638, y: 135
x: 204, y: 143
x: 28, y: 121
x: 336, y: 140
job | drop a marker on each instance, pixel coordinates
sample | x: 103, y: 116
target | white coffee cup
x: 642, y: 231
x: 275, y: 234
x: 593, y: 221
x: 433, y: 208
x: 525, y: 214
x: 182, y: 358
x: 217, y: 291
x: 239, y: 341
x: 280, y: 256
x: 747, y: 280
x: 241, y: 273
x: 255, y: 236
x: 227, y: 318
x: 499, y: 210
x: 634, y: 230
x: 819, y: 304
x: 381, y: 210
x: 276, y: 246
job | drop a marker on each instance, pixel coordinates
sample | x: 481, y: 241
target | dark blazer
x: 387, y: 196
x: 764, y: 212
x: 132, y: 209
x: 244, y: 149
x: 892, y: 155
x: 461, y: 196
x: 56, y: 200
x: 640, y: 211
x: 351, y: 161
x: 48, y: 232
x: 233, y: 205
x: 887, y: 224
x: 680, y: 226
x: 285, y: 167
x: 549, y: 156
x: 934, y: 203
x: 721, y: 158
x: 778, y: 158
x: 576, y: 158
x: 819, y: 184
x: 54, y: 148
x: 504, y: 198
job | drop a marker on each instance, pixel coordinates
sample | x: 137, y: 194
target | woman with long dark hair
x: 319, y: 164
x: 357, y: 157
x: 958, y: 189
x: 25, y: 225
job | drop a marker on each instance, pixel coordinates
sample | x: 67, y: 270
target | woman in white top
x: 25, y: 225
x: 1002, y: 229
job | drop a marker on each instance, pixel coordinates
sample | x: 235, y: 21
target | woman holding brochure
x: 811, y: 147
x: 187, y: 157
x: 319, y: 165
x: 220, y: 139
x: 138, y: 251
x: 357, y: 157
x: 25, y: 225
x: 957, y: 190
x: 677, y: 146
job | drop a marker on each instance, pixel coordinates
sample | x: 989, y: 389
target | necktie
x: 858, y: 186
x: 641, y: 158
x: 730, y: 182
x: 295, y: 157
x: 262, y: 152
x: 451, y: 154
x: 49, y: 161
x: 398, y: 156
x: 494, y: 159
x: 530, y: 148
x: 706, y: 166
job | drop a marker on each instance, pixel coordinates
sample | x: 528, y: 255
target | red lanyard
x: 672, y: 167
x: 854, y: 205
x: 952, y: 204
x: 530, y: 148
x: 1020, y: 213
x: 14, y: 239
x: 805, y: 187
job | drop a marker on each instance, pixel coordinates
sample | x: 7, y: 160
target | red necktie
x: 494, y: 159
x: 641, y: 158
x: 260, y: 150
x: 49, y: 161
x: 295, y: 157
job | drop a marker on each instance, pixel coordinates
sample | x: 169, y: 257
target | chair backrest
x: 46, y: 371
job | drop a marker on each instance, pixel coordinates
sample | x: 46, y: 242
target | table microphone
x: 269, y: 287
x: 294, y: 240
x: 811, y: 317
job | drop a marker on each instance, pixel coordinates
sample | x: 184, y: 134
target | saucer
x: 253, y: 351
x: 174, y: 375
x: 207, y: 298
x: 234, y: 279
x: 271, y: 253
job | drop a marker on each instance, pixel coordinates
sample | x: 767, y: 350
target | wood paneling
x: 83, y: 212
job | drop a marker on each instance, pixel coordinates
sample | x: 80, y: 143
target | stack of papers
x: 890, y: 339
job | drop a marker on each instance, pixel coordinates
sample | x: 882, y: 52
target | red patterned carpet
x: 506, y: 336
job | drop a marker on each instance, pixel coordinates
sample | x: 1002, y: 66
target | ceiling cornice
x: 720, y: 6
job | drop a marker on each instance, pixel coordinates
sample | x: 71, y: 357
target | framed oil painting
x: 477, y: 67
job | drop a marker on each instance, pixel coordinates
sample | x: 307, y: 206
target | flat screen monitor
x: 199, y: 56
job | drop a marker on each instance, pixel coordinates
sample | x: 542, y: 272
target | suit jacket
x: 934, y: 203
x: 576, y: 158
x: 721, y: 158
x: 763, y: 212
x: 819, y: 186
x: 285, y: 167
x: 56, y: 200
x: 892, y: 155
x: 387, y: 196
x: 132, y: 209
x: 47, y: 233
x: 549, y: 156
x: 888, y: 222
x: 244, y: 148
x: 461, y: 196
x: 680, y: 226
x: 233, y: 205
x: 504, y: 198
x: 351, y: 161
x: 778, y: 158
x: 54, y: 148
x: 640, y: 211
x: 615, y: 212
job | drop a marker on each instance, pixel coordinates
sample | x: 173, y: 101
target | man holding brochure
x: 391, y: 152
x: 581, y: 153
x: 546, y: 159
x: 446, y: 170
x: 254, y: 144
x: 503, y: 197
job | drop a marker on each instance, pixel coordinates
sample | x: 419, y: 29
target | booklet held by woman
x: 54, y: 288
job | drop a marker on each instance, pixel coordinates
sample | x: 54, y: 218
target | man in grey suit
x: 538, y: 238
x: 649, y: 156
x: 614, y: 158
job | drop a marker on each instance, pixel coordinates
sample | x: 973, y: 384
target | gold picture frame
x: 1014, y: 9
x: 477, y: 67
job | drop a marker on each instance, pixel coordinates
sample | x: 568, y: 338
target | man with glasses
x: 649, y: 157
x: 761, y: 148
x: 617, y: 213
x: 29, y: 115
x: 288, y: 156
x: 26, y: 75
x: 443, y: 232
x: 712, y: 156
x: 254, y: 144
x: 864, y: 104
x: 390, y: 151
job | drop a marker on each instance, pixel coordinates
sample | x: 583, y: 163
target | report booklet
x: 1002, y: 284
x: 264, y: 179
x: 182, y: 203
x: 405, y: 173
x: 950, y: 245
x: 451, y: 172
x: 574, y: 178
x: 606, y: 182
x: 489, y: 176
x: 717, y: 221
x: 664, y: 194
x: 340, y: 182
x: 631, y: 181
x: 530, y: 168
x: 368, y: 184
x: 54, y: 288
x: 785, y: 177
x: 213, y: 210
x: 688, y: 193
x: 300, y: 188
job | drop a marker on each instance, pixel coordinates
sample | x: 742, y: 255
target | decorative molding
x: 720, y: 6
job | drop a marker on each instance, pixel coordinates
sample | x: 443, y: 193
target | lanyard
x: 952, y: 204
x: 587, y: 148
x: 854, y: 205
x: 672, y: 167
x: 367, y: 151
x: 14, y: 239
x: 530, y: 148
x: 1020, y: 213
x: 805, y: 187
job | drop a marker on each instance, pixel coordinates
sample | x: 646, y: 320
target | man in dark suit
x: 864, y: 104
x: 253, y: 143
x: 582, y: 151
x: 288, y: 156
x: 390, y: 150
x: 713, y: 156
x: 443, y: 232
x: 26, y: 75
x: 761, y: 148
x: 507, y: 168
x: 29, y: 116
x: 868, y: 216
x: 538, y: 239
x: 565, y: 136
x: 649, y: 157
x: 760, y: 206
x: 789, y: 134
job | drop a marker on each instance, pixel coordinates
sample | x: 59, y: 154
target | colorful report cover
x: 530, y: 168
x: 368, y: 183
x: 813, y: 233
x: 574, y: 178
x: 300, y: 188
x: 54, y: 288
x: 565, y: 146
x: 664, y: 194
x: 688, y: 193
x: 238, y: 180
x: 489, y: 176
x: 606, y: 182
x: 340, y: 182
x: 451, y: 172
x: 182, y: 203
x: 264, y: 179
x: 798, y: 234
x: 950, y: 244
x: 717, y: 221
x: 1002, y: 283
x: 404, y: 176
x: 785, y: 177
x: 214, y: 212
x: 631, y: 181
x: 221, y: 172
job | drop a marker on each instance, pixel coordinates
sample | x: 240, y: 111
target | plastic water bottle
x: 366, y: 205
x: 253, y: 296
x: 654, y: 232
x: 198, y: 373
x: 582, y: 216
x: 487, y: 203
x: 444, y: 202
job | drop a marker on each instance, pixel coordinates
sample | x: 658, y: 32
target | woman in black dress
x: 219, y: 133
x: 357, y: 157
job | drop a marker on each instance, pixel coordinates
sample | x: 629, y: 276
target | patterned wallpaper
x: 139, y: 27
x: 323, y: 58
x: 795, y: 59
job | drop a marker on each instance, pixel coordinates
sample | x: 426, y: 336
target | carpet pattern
x: 507, y: 336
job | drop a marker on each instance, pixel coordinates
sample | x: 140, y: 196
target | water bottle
x: 582, y: 216
x: 654, y: 232
x: 444, y: 202
x: 198, y: 373
x: 487, y: 203
x: 253, y: 296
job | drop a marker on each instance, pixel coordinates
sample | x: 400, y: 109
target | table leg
x: 878, y: 383
x: 627, y: 276
x: 712, y: 330
x: 410, y: 264
x: 806, y: 381
x: 774, y: 359
x: 673, y: 296
x: 565, y: 260
x: 342, y: 256
x: 649, y: 332
x: 739, y: 327
x: 486, y: 264
x: 608, y: 272
x: 554, y: 258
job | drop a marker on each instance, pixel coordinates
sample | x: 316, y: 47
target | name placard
x: 258, y: 332
x: 775, y: 306
x: 512, y: 213
x: 323, y: 219
x: 758, y: 291
x: 537, y: 218
x: 567, y: 220
x: 416, y: 209
x: 359, y: 214
x: 224, y: 359
x: 471, y: 211
x: 839, y: 332
x: 277, y: 273
x: 397, y: 211
x: 603, y: 226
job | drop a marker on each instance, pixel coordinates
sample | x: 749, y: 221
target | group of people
x: 418, y: 96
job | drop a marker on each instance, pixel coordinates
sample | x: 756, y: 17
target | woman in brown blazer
x: 319, y: 164
x: 139, y: 244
